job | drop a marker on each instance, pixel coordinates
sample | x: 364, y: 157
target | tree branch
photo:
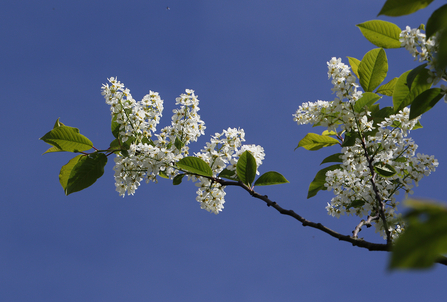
x: 380, y: 201
x: 354, y: 241
x: 358, y: 228
x: 351, y: 239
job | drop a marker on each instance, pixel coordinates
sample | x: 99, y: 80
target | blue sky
x: 252, y: 63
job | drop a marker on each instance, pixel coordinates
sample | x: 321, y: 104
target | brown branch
x: 354, y: 241
x: 351, y: 239
x: 368, y: 221
x: 380, y: 201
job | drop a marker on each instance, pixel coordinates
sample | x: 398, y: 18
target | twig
x: 367, y: 223
x: 380, y: 202
x: 351, y: 239
x: 354, y: 241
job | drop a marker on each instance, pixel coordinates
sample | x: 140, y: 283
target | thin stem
x: 380, y: 203
x: 366, y: 223
x: 354, y: 241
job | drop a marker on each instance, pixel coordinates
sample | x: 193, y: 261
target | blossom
x: 210, y: 195
x: 222, y: 152
x: 423, y: 50
x: 352, y: 182
x: 387, y: 144
x: 148, y: 154
x: 335, y: 113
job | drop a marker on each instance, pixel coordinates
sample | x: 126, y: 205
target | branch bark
x: 354, y: 241
x: 371, y: 246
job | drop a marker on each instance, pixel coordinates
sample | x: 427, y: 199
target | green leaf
x: 66, y: 138
x: 115, y: 127
x: 437, y: 21
x: 334, y: 158
x: 412, y: 75
x: 271, y: 178
x: 388, y: 88
x: 424, y: 239
x: 356, y: 204
x: 124, y: 153
x: 401, y: 160
x: 53, y: 149
x: 246, y: 168
x: 384, y: 170
x: 396, y: 124
x: 395, y: 8
x: 373, y: 69
x: 115, y: 145
x: 82, y: 171
x: 417, y: 126
x: 58, y: 124
x: 313, y: 141
x: 381, y: 33
x: 403, y: 96
x: 320, y: 179
x: 374, y: 108
x: 163, y: 174
x: 64, y: 174
x: 425, y: 101
x: 441, y: 39
x: 367, y: 99
x: 329, y: 133
x: 382, y: 114
x: 379, y: 116
x: 354, y: 65
x: 178, y: 144
x: 349, y: 139
x: 123, y: 147
x: 228, y: 174
x: 148, y: 141
x: 195, y: 165
x: 178, y: 179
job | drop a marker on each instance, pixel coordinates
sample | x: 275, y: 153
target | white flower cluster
x: 389, y: 145
x: 134, y: 118
x: 422, y: 49
x: 222, y: 152
x: 335, y: 113
x: 186, y: 123
x: 255, y: 150
x: 415, y: 42
x: 343, y: 80
x: 151, y: 154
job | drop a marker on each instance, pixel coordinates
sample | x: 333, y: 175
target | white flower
x: 351, y: 183
x: 423, y: 50
x: 150, y: 153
